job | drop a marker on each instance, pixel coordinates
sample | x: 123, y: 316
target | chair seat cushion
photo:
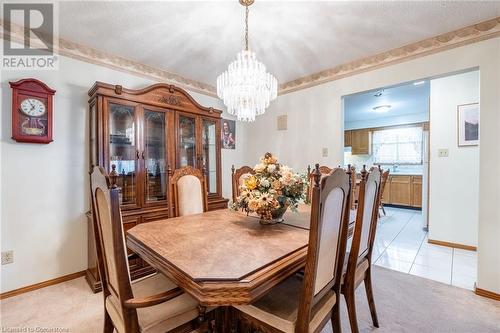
x: 361, y: 268
x: 158, y: 318
x: 279, y: 307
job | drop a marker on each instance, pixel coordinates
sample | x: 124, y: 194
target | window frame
x: 372, y: 143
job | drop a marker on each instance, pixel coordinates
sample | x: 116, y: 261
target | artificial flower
x: 251, y: 182
x: 264, y: 182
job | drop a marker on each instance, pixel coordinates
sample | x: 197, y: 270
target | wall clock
x: 31, y: 111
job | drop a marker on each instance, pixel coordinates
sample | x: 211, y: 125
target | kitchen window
x: 398, y: 145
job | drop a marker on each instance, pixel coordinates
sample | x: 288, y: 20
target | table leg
x: 201, y: 313
x: 225, y: 321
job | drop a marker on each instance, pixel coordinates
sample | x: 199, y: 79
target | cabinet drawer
x: 401, y: 179
x: 150, y: 217
x: 416, y: 179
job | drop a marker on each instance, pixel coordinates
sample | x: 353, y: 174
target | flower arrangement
x: 271, y: 190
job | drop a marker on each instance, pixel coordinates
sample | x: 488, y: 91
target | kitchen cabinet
x: 360, y: 141
x: 347, y: 138
x: 400, y: 190
x: 403, y: 190
x: 416, y: 191
x: 386, y: 195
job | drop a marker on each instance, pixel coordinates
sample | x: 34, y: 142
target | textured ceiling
x: 198, y: 39
x: 404, y: 100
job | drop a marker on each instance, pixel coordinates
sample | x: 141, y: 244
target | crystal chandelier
x: 245, y: 87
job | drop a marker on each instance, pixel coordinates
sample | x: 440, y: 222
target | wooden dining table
x: 224, y: 258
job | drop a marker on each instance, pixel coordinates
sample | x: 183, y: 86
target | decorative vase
x: 274, y: 216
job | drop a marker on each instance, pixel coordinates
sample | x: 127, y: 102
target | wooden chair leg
x: 369, y: 295
x: 350, y: 301
x: 336, y: 318
x: 383, y: 209
x: 108, y: 323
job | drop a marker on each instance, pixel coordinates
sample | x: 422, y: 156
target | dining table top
x: 224, y: 257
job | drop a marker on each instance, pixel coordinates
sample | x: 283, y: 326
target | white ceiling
x: 404, y: 100
x: 198, y: 39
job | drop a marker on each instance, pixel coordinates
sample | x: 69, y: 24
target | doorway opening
x: 426, y: 132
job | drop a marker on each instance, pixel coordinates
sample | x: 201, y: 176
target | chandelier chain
x: 246, y: 27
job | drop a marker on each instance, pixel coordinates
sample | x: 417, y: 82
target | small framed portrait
x: 468, y: 124
x: 228, y: 134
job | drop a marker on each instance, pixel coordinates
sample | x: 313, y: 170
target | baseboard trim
x: 454, y: 245
x: 487, y: 293
x: 40, y: 285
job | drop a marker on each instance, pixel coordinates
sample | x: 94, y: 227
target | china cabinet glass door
x: 209, y: 153
x: 186, y: 141
x: 123, y: 151
x: 155, y: 154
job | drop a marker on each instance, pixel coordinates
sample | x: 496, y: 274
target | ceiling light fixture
x: 245, y: 87
x: 381, y: 108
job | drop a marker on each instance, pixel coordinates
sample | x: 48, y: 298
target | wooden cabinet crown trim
x: 170, y: 100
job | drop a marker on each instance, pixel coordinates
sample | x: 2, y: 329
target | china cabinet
x: 140, y: 134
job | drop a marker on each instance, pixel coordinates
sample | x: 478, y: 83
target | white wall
x: 44, y: 187
x: 454, y: 189
x: 316, y: 121
x: 310, y: 112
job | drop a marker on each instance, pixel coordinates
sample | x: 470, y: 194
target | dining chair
x: 383, y: 181
x: 150, y: 304
x: 324, y: 170
x: 238, y: 176
x: 351, y: 170
x: 188, y: 191
x: 358, y: 266
x: 307, y: 304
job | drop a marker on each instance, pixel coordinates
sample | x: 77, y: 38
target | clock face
x: 33, y: 107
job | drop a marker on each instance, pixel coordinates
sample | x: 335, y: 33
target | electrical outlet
x: 325, y: 152
x: 443, y: 152
x: 7, y: 257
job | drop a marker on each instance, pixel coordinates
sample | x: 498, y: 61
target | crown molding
x: 467, y: 35
x: 460, y: 37
x: 97, y: 57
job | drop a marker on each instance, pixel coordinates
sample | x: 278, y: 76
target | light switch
x: 443, y: 152
x: 325, y: 152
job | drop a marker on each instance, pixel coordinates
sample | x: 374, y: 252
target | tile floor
x: 401, y: 245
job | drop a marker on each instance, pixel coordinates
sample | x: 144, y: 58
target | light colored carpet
x: 405, y: 303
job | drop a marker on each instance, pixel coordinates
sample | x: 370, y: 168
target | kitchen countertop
x: 400, y: 173
x: 404, y: 173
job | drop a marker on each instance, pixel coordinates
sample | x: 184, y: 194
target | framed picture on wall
x: 228, y: 134
x: 468, y: 124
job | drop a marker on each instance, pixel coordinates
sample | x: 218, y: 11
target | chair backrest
x: 383, y: 181
x: 110, y: 241
x: 238, y: 177
x: 324, y: 170
x: 189, y: 190
x: 366, y: 217
x: 351, y: 170
x: 327, y: 240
